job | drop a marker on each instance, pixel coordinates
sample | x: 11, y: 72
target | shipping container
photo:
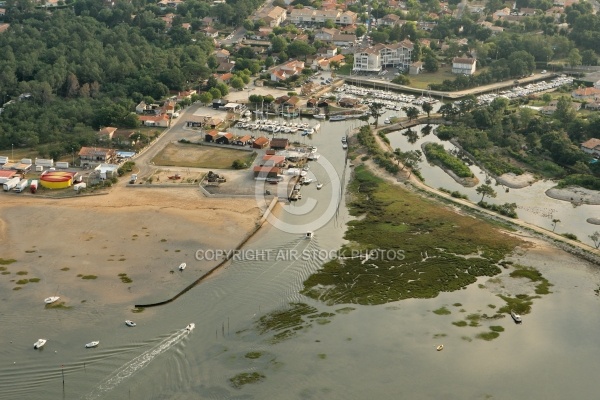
x: 39, y: 168
x: 3, y: 160
x: 77, y: 187
x: 62, y: 165
x: 44, y: 162
x: 26, y: 161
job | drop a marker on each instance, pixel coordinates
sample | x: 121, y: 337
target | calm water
x: 372, y: 352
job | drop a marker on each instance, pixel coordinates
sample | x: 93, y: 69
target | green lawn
x: 191, y: 155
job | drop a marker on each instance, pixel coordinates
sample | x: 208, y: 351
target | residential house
x: 426, y: 25
x: 501, y: 14
x: 585, y: 93
x: 592, y: 147
x: 379, y: 56
x: 106, y: 133
x: 273, y: 17
x: 347, y: 18
x: 162, y: 120
x: 390, y: 20
x: 92, y: 156
x: 169, y: 3
x: 321, y: 16
x: 344, y: 40
x: 225, y: 66
x: 551, y: 107
x: 527, y: 11
x: 187, y: 26
x: 210, y: 32
x: 463, y: 65
x: 224, y: 138
x: 185, y: 95
x: 2, y: 12
x: 280, y: 143
x: 260, y: 143
x: 4, y: 27
x: 597, y: 84
x: 284, y: 71
x: 301, y: 16
x: 593, y: 105
x: 415, y: 68
x: 222, y: 54
x: 207, y: 21
x: 326, y: 34
x: 224, y: 78
x: 168, y: 18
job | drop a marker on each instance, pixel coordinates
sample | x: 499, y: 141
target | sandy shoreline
x: 145, y: 234
x: 575, y: 194
x: 516, y: 181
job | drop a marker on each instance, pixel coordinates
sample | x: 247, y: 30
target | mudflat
x: 119, y: 248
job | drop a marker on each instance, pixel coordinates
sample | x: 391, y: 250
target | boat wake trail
x: 136, y: 364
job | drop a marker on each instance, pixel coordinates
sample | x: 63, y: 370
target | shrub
x: 436, y: 152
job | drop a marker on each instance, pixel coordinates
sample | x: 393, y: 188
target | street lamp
x: 12, y: 152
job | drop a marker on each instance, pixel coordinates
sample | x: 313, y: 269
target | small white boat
x: 319, y: 116
x: 309, y: 235
x: 440, y: 347
x: 516, y: 317
x: 190, y: 327
x: 130, y: 323
x: 39, y: 344
x: 307, y: 181
x: 51, y: 299
x: 89, y: 345
x: 319, y: 186
x: 182, y: 266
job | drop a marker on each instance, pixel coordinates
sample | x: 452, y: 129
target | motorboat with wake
x: 440, y: 347
x: 319, y: 186
x: 182, y: 266
x: 190, y: 327
x: 51, y: 299
x: 39, y: 344
x: 309, y: 235
x: 89, y: 345
x: 130, y: 323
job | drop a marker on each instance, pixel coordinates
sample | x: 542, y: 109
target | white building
x: 466, y: 66
x: 304, y: 15
x: 273, y: 17
x: 375, y: 58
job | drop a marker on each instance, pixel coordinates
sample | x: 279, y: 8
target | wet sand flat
x: 144, y: 233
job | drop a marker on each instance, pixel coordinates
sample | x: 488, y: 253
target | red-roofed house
x: 162, y: 120
x: 592, y: 146
x: 106, y: 133
x: 284, y: 71
x: 266, y: 172
x: 211, y: 136
x: 261, y: 143
x: 224, y: 138
x: 585, y: 93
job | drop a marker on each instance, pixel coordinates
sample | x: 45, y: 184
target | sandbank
x: 575, y: 194
x: 514, y: 181
x: 144, y: 233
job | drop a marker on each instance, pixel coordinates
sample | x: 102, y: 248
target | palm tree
x: 554, y: 222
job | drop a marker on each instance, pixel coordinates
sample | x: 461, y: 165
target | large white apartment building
x: 305, y: 15
x: 375, y: 58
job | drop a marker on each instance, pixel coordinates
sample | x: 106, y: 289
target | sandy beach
x: 142, y: 232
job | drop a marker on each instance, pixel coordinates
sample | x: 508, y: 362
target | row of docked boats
x: 385, y: 95
x: 273, y: 126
